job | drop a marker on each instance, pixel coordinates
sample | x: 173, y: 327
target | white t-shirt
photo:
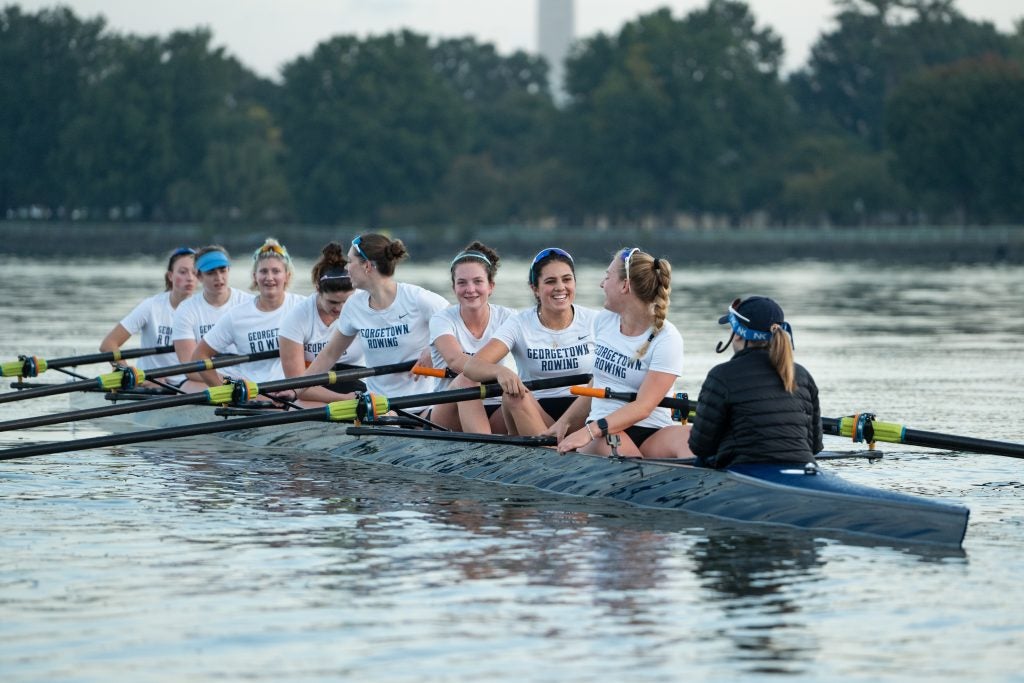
x: 616, y: 366
x: 303, y: 325
x: 398, y: 333
x: 250, y: 330
x: 449, y: 321
x: 196, y: 316
x: 153, y: 318
x: 542, y: 353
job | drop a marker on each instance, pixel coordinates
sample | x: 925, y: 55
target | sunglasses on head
x: 626, y: 255
x: 270, y: 249
x: 545, y: 253
x: 181, y: 251
x: 359, y: 249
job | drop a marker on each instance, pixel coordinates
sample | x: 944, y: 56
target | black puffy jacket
x: 744, y: 414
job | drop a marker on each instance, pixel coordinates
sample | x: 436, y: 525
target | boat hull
x: 771, y: 494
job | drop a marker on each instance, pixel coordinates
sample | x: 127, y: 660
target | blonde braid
x: 662, y: 272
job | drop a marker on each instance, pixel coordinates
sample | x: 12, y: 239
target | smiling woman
x: 553, y: 339
x: 459, y: 331
x: 252, y: 327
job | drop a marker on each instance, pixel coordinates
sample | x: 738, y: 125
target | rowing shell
x: 772, y: 494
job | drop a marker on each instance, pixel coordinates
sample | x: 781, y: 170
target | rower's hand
x: 425, y: 361
x: 574, y: 441
x: 558, y: 430
x: 510, y: 383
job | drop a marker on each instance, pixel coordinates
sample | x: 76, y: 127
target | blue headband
x: 736, y: 321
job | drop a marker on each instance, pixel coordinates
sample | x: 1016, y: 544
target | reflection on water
x: 210, y: 560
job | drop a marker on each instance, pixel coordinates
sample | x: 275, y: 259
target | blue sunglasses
x: 359, y: 249
x: 544, y: 254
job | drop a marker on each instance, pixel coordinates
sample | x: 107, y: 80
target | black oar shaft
x: 289, y: 417
x: 889, y: 432
x: 953, y: 442
x: 107, y: 357
x: 199, y: 398
x: 164, y: 433
x: 195, y: 366
x: 483, y: 391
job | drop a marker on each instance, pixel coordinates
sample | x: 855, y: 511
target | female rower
x: 153, y: 317
x: 391, y: 318
x: 554, y: 339
x: 251, y: 327
x: 459, y: 331
x: 198, y: 314
x: 306, y: 330
x: 638, y: 352
x: 759, y: 406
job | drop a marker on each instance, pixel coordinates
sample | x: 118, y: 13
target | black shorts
x: 640, y: 434
x: 492, y: 408
x: 556, y: 406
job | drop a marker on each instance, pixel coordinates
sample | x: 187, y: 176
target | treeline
x: 906, y: 112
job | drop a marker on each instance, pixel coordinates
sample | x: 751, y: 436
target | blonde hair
x: 650, y: 280
x: 780, y: 351
x: 271, y: 248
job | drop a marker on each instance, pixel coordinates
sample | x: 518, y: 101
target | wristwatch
x: 602, y: 425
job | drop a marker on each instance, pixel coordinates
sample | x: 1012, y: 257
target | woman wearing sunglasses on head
x: 759, y: 405
x: 198, y: 314
x: 459, y: 331
x: 390, y: 318
x: 553, y: 339
x: 638, y: 352
x: 306, y: 330
x: 251, y: 327
x: 154, y: 316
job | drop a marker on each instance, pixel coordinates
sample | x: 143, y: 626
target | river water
x: 203, y: 561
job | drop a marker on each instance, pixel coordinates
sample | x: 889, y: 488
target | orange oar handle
x: 431, y: 372
x: 592, y: 392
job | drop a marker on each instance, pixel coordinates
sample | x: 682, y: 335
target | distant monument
x: 555, y: 28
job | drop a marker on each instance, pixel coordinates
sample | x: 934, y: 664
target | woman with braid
x: 759, y: 406
x: 637, y: 351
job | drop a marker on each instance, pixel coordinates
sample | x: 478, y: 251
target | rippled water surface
x: 203, y: 560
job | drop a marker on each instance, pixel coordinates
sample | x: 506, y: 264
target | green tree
x: 676, y: 115
x: 368, y: 124
x: 877, y: 44
x: 510, y: 117
x: 956, y: 135
x: 42, y: 61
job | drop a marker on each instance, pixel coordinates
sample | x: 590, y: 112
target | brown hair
x: 650, y: 280
x: 478, y: 252
x: 382, y: 251
x: 178, y: 253
x: 330, y: 273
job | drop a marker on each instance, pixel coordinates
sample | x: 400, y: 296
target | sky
x: 265, y: 34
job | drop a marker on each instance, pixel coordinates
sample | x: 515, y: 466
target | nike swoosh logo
x: 584, y: 336
x: 402, y: 316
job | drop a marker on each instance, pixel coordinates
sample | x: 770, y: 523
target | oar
x: 679, y: 405
x: 32, y: 366
x: 861, y: 429
x: 338, y: 411
x: 130, y: 377
x: 236, y: 392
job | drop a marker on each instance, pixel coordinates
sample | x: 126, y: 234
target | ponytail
x: 780, y: 351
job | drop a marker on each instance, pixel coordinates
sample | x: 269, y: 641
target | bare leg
x: 668, y: 442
